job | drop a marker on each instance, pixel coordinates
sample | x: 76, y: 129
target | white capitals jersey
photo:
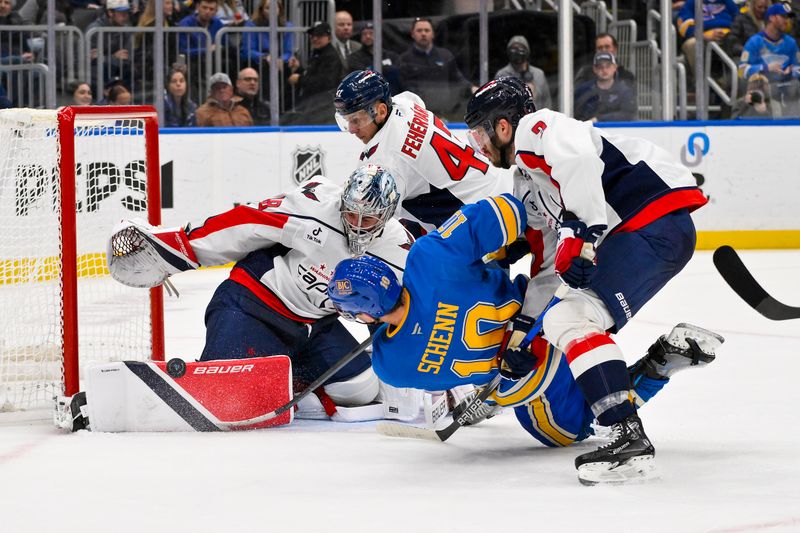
x: 619, y: 182
x: 287, y: 247
x: 436, y: 172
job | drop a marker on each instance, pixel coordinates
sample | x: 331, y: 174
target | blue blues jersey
x: 457, y: 306
x: 716, y: 14
x: 759, y: 51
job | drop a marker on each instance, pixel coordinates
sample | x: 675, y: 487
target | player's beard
x: 504, y: 150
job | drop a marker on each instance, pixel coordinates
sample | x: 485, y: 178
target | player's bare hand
x: 294, y: 79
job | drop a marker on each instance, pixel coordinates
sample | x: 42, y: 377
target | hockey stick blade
x: 736, y: 274
x: 346, y: 358
x: 392, y: 429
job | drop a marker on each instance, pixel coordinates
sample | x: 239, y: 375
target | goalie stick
x: 392, y: 429
x: 346, y: 358
x: 736, y: 274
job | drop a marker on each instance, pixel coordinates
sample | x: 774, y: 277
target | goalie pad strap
x: 325, y: 400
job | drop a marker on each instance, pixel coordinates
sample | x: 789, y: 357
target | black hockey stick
x: 733, y: 271
x: 346, y: 358
x: 392, y: 429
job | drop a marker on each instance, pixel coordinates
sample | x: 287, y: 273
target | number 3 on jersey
x: 456, y: 159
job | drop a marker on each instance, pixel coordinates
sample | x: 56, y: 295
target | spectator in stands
x: 519, y: 53
x: 343, y: 33
x: 319, y: 79
x: 256, y: 50
x: 179, y: 110
x: 432, y: 73
x: 222, y: 107
x: 232, y: 13
x: 205, y: 16
x: 774, y: 54
x: 605, y: 98
x: 117, y: 46
x: 5, y: 103
x: 756, y: 103
x: 247, y: 88
x: 14, y: 48
x: 717, y: 20
x: 148, y: 16
x: 110, y: 84
x: 81, y: 93
x: 605, y: 42
x: 361, y: 59
x: 119, y: 95
x: 746, y: 24
x: 143, y: 42
x: 794, y: 31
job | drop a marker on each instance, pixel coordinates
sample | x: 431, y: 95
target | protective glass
x: 354, y: 121
x: 350, y: 317
x: 479, y: 139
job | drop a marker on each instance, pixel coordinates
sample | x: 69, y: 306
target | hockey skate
x: 71, y: 413
x: 686, y: 346
x: 628, y: 457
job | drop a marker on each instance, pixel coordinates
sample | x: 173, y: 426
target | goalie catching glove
x: 140, y: 255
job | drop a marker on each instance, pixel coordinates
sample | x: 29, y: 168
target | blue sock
x: 646, y: 387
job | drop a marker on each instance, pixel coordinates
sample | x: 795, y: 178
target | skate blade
x: 635, y: 470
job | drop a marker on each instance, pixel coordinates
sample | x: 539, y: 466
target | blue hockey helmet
x: 507, y: 97
x: 360, y: 90
x: 364, y: 285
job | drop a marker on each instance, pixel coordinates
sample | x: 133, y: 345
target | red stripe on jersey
x: 578, y: 347
x: 533, y: 161
x: 440, y: 125
x: 236, y: 217
x: 241, y: 277
x: 536, y: 242
x: 678, y: 199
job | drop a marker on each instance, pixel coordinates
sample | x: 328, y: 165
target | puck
x: 176, y: 367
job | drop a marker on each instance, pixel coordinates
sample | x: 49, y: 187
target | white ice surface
x: 725, y: 436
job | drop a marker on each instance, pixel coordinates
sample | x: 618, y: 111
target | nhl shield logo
x: 308, y: 161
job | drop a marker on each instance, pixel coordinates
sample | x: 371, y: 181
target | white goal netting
x: 114, y: 320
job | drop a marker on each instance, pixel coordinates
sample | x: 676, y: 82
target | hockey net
x: 67, y: 178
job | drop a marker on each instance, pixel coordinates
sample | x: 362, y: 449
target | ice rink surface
x: 726, y: 445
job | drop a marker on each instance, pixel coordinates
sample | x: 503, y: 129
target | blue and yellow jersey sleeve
x: 481, y: 228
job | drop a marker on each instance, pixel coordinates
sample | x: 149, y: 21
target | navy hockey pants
x: 239, y: 325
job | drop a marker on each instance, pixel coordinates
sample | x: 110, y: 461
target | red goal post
x: 102, y: 162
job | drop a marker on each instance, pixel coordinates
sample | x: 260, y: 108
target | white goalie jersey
x: 287, y: 247
x: 436, y: 172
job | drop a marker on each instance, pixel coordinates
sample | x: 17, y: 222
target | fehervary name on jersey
x: 417, y: 129
x: 440, y: 338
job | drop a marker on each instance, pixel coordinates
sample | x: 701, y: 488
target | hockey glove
x: 516, y: 362
x: 575, y: 263
x: 140, y: 255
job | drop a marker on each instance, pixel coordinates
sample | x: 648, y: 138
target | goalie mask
x: 369, y: 199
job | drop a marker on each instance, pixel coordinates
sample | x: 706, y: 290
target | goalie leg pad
x: 356, y: 391
x: 135, y: 396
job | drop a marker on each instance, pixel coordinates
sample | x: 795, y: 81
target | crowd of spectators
x: 758, y: 34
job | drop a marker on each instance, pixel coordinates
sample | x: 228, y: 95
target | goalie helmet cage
x: 67, y: 177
